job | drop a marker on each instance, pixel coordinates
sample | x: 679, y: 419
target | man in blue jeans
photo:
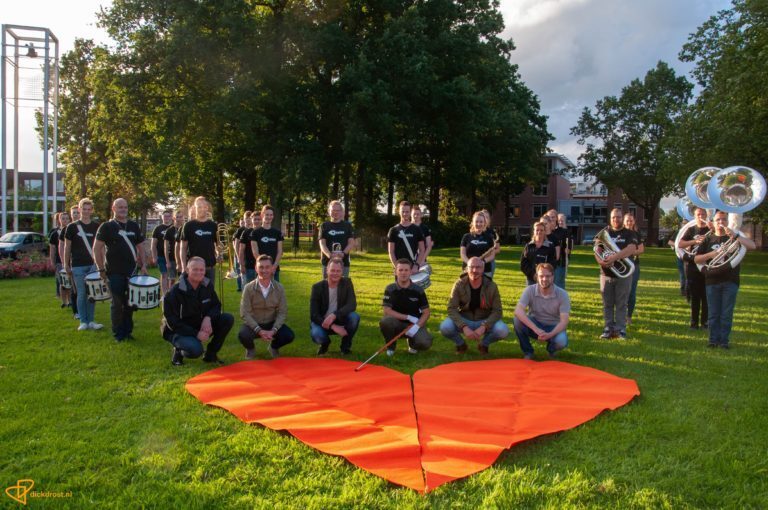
x: 332, y: 309
x: 192, y: 316
x: 547, y: 317
x: 722, y: 283
x: 474, y: 310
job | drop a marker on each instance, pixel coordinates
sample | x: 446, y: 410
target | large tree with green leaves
x: 630, y: 139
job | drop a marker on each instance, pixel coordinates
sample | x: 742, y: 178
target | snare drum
x: 95, y: 287
x: 143, y: 292
x: 421, y: 279
x: 64, y: 280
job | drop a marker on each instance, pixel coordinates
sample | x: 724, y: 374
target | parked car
x: 13, y: 244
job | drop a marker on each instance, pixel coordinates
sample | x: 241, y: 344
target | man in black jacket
x: 192, y: 315
x: 332, y: 309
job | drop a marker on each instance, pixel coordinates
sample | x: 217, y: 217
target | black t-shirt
x: 120, y: 259
x: 622, y: 238
x: 80, y: 254
x: 238, y: 232
x: 336, y: 232
x: 53, y: 240
x: 426, y: 232
x: 245, y: 239
x: 723, y: 274
x: 411, y: 300
x: 561, y: 236
x: 159, y: 234
x: 689, y: 235
x: 201, y: 240
x: 476, y: 245
x: 266, y: 240
x: 412, y: 233
x: 170, y: 236
x: 532, y: 256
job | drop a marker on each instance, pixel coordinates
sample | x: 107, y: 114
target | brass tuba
x: 605, y: 247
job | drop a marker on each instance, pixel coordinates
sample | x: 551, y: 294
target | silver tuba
x: 605, y: 247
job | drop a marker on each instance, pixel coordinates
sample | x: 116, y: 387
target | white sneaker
x: 77, y: 316
x: 411, y: 350
x: 95, y: 325
x: 83, y: 326
x: 390, y: 352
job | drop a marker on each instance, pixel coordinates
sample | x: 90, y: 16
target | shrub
x: 33, y: 264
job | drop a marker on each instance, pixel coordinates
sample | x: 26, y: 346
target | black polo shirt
x: 335, y: 232
x: 476, y: 245
x: 170, y: 236
x: 622, y: 238
x: 159, y: 234
x: 412, y: 233
x: 411, y: 300
x: 723, y: 274
x: 266, y: 239
x: 80, y: 254
x: 245, y: 239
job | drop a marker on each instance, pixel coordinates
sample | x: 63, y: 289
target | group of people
x: 186, y: 252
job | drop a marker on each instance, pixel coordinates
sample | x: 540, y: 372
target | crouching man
x: 405, y: 304
x: 332, y: 309
x: 192, y: 316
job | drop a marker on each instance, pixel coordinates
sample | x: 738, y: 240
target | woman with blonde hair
x: 479, y: 242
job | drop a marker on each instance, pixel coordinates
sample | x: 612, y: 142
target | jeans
x: 681, y: 273
x: 250, y: 275
x: 239, y: 276
x: 391, y: 327
x: 449, y: 330
x: 191, y: 347
x: 721, y: 298
x: 321, y: 335
x: 615, y: 293
x: 524, y: 334
x: 85, y: 307
x: 120, y: 313
x: 282, y: 337
x: 633, y: 291
x: 560, y: 276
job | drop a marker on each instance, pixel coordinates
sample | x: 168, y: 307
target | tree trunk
x: 249, y: 193
x: 219, y: 199
x: 434, y: 195
x: 390, y: 196
x: 653, y: 231
x: 359, y: 194
x: 296, y: 226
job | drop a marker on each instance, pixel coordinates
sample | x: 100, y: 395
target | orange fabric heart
x: 455, y: 421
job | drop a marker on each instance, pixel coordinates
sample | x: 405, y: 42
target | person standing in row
x: 169, y: 243
x: 157, y: 250
x: 565, y: 248
x: 479, y: 242
x: 118, y: 251
x: 405, y: 241
x: 53, y: 255
x: 722, y: 283
x: 78, y: 261
x: 538, y: 251
x: 236, y: 246
x: 630, y: 224
x: 337, y: 238
x: 695, y: 281
x: 267, y: 240
x: 559, y: 235
x: 198, y: 238
x: 245, y: 253
x: 426, y: 232
x: 74, y: 215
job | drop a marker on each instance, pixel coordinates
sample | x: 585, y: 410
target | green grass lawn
x: 113, y: 424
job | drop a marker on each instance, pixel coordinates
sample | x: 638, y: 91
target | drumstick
x: 384, y: 347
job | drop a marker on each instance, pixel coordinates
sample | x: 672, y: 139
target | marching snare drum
x: 96, y: 288
x: 422, y: 278
x: 143, y: 292
x: 64, y: 280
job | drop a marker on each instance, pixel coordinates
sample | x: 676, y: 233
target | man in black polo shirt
x: 268, y: 240
x: 118, y: 251
x: 157, y: 250
x: 406, y: 240
x: 198, y: 238
x: 336, y: 238
x: 405, y: 305
x: 245, y: 253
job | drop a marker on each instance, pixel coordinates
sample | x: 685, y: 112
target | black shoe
x: 711, y: 345
x: 461, y: 349
x: 725, y: 346
x: 694, y: 325
x: 177, y: 358
x: 214, y: 359
x: 346, y: 352
x: 323, y: 348
x: 705, y: 325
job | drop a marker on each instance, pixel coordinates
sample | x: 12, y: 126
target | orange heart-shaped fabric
x: 454, y: 421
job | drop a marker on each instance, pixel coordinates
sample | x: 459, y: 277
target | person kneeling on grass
x: 548, y: 309
x: 192, y: 315
x: 405, y: 303
x: 332, y: 309
x: 263, y: 309
x: 474, y: 310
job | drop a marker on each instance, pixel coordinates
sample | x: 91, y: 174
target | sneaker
x: 96, y: 326
x: 177, y: 358
x: 622, y: 334
x: 250, y: 353
x: 528, y: 356
x: 274, y: 353
x: 606, y: 334
x: 482, y: 348
x: 76, y: 316
x: 711, y: 345
x: 83, y: 326
x: 390, y: 352
x: 214, y: 360
x: 411, y: 350
x: 461, y: 349
x: 323, y: 348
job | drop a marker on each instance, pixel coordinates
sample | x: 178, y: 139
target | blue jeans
x: 681, y: 273
x: 321, y: 336
x: 721, y: 298
x: 524, y: 334
x: 250, y: 275
x: 239, y: 276
x: 191, y: 347
x: 633, y: 291
x: 85, y: 307
x: 560, y: 277
x: 120, y: 313
x: 498, y: 332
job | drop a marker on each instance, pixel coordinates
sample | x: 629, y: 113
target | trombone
x: 223, y: 249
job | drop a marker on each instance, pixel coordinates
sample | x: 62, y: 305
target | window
x: 33, y: 185
x: 539, y: 210
x: 514, y: 211
x: 541, y: 189
x: 59, y: 186
x: 575, y: 213
x: 632, y: 209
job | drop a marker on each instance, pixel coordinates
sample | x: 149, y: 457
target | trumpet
x: 604, y: 247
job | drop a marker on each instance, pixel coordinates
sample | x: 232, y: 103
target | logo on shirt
x: 201, y: 233
x: 266, y: 239
x: 336, y: 232
x: 477, y: 242
x: 413, y: 299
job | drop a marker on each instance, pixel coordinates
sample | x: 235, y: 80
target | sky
x: 570, y: 53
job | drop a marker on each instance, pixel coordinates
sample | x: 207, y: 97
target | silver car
x: 13, y: 244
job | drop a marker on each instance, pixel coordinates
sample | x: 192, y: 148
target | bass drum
x: 143, y: 292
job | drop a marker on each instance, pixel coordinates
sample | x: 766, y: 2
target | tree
x: 728, y: 123
x: 630, y: 140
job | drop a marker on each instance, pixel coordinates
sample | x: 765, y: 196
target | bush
x: 33, y: 264
x: 449, y: 232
